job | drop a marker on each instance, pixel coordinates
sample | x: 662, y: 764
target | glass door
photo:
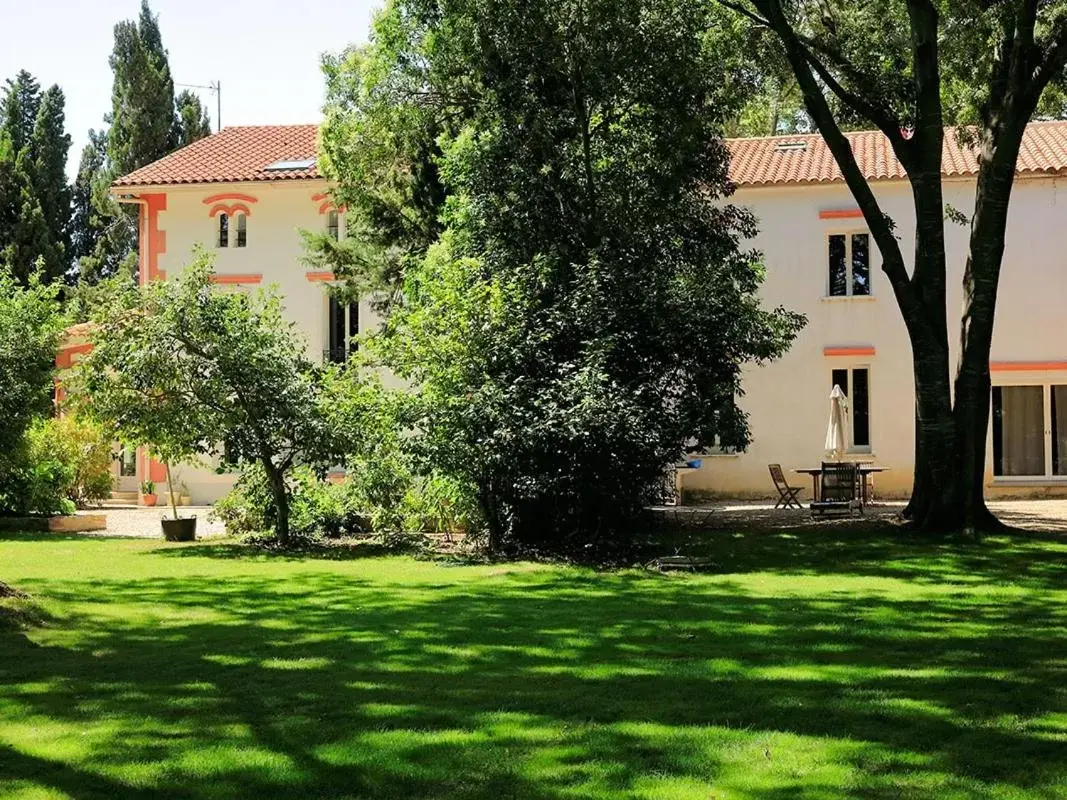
x: 1019, y: 431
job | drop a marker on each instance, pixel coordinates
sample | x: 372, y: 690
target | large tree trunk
x: 950, y: 459
x: 276, y: 478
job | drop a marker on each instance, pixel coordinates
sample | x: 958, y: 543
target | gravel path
x: 144, y: 522
x: 1044, y: 515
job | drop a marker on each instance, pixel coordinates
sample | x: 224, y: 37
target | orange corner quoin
x: 153, y: 240
x: 319, y: 276
x: 864, y: 351
x: 841, y: 213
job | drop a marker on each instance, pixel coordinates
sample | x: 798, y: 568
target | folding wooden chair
x: 839, y: 490
x: 787, y: 495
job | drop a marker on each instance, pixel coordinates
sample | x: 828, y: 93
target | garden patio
x: 835, y: 661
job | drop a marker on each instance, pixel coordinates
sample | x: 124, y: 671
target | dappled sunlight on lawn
x: 844, y: 664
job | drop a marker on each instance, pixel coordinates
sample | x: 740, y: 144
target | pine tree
x: 191, y: 121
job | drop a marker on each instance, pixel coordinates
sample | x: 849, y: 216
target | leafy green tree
x: 191, y: 120
x: 183, y: 366
x: 907, y: 67
x: 30, y: 326
x: 588, y: 308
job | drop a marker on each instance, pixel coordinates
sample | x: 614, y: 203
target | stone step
x: 124, y: 497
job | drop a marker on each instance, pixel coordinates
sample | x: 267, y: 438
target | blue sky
x: 265, y: 52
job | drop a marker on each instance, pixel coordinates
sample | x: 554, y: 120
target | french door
x: 1030, y: 431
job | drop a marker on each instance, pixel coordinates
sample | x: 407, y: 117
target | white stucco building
x: 245, y: 194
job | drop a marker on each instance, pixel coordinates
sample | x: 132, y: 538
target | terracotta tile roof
x: 773, y: 161
x: 243, y: 153
x: 235, y: 154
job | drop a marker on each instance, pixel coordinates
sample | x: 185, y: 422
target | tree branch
x: 745, y: 12
x: 881, y: 230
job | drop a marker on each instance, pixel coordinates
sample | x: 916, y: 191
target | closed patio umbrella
x: 835, y: 433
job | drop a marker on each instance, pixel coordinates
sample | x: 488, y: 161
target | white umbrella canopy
x: 835, y: 432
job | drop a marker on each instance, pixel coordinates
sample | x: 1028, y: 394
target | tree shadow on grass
x: 547, y: 684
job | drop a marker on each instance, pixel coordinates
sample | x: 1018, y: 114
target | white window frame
x: 853, y: 448
x: 848, y: 233
x: 220, y: 243
x: 236, y: 221
x: 340, y: 223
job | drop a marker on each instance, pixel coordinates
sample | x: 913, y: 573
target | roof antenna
x: 216, y: 89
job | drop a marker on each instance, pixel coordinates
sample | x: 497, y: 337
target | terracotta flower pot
x: 148, y: 500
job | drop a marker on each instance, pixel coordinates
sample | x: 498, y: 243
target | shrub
x: 317, y: 507
x: 31, y: 484
x: 82, y: 447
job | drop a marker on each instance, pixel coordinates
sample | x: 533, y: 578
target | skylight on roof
x: 280, y: 166
x: 790, y: 147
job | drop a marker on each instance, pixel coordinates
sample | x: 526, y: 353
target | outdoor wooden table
x: 863, y: 469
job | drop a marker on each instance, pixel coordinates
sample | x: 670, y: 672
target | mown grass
x: 833, y: 664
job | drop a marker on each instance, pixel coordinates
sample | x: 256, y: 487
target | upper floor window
x: 224, y: 230
x: 333, y: 223
x: 343, y: 329
x: 849, y: 264
x: 242, y: 230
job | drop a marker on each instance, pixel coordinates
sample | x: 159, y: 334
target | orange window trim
x: 218, y: 198
x: 848, y: 351
x: 1027, y: 366
x: 250, y: 278
x: 319, y: 276
x: 230, y: 211
x: 841, y: 213
x: 325, y: 203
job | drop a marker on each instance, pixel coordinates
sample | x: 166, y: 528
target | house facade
x: 243, y: 194
x: 247, y: 192
x: 822, y: 262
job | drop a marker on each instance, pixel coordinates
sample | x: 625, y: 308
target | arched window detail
x: 224, y: 230
x: 242, y: 230
x: 333, y: 223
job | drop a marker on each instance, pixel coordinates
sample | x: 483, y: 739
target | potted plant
x: 179, y: 529
x: 148, y: 493
x: 183, y: 494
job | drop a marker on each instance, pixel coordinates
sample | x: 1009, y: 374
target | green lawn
x: 830, y: 664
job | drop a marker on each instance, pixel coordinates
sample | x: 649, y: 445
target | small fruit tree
x: 184, y: 365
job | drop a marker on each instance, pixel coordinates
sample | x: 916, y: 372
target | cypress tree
x: 142, y: 97
x: 34, y: 196
x: 49, y: 148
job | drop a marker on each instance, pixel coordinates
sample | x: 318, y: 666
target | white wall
x: 787, y: 401
x: 274, y: 249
